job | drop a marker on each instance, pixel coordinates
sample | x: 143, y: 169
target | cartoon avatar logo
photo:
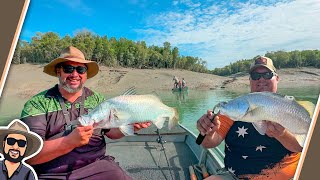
x: 18, y: 144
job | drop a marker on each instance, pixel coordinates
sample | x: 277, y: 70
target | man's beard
x: 69, y: 89
x: 14, y: 160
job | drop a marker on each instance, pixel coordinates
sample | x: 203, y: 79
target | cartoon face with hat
x: 18, y: 143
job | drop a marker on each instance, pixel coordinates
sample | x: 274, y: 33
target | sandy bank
x: 26, y: 80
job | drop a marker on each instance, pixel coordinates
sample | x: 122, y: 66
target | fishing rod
x: 159, y: 140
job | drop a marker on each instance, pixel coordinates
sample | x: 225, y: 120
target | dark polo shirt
x: 22, y: 172
x: 44, y: 116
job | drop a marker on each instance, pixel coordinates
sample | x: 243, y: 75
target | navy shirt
x: 22, y: 172
x: 248, y: 152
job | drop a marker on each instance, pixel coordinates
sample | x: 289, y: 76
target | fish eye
x: 289, y: 97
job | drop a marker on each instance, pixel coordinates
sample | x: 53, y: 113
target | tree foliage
x: 281, y: 59
x: 109, y: 52
x: 123, y: 52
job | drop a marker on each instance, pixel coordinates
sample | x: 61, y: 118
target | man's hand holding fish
x: 138, y: 126
x: 80, y: 136
x: 72, y: 148
x: 275, y: 130
x: 116, y: 133
x: 263, y: 131
x: 208, y: 126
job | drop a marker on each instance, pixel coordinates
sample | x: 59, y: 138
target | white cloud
x: 78, y: 5
x: 83, y: 30
x: 226, y: 32
x: 190, y: 4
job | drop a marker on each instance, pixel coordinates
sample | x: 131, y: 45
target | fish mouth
x: 216, y: 108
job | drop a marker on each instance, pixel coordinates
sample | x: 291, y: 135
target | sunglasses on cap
x: 12, y: 141
x: 68, y: 69
x: 266, y: 75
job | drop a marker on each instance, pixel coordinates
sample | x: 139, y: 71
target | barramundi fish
x: 125, y: 110
x: 260, y: 106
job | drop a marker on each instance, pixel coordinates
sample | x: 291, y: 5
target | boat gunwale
x: 206, y: 151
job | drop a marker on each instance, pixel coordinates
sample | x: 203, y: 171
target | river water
x: 191, y: 105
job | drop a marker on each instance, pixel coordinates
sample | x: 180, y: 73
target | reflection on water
x: 181, y: 96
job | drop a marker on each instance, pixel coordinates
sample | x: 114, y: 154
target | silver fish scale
x: 274, y: 107
x: 142, y: 108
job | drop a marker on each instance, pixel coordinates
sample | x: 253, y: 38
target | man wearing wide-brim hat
x: 70, y: 153
x: 18, y: 143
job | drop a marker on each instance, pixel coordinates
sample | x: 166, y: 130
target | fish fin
x: 260, y: 126
x: 252, y: 106
x: 127, y: 130
x: 309, y: 106
x: 160, y: 121
x: 130, y: 91
x: 300, y: 138
x: 248, y: 114
x: 85, y: 120
x: 156, y: 95
x: 121, y: 115
x: 175, y: 120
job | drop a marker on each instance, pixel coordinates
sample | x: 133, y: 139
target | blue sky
x: 219, y: 32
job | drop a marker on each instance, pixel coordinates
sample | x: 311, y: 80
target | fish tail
x: 300, y: 138
x: 175, y: 120
x: 309, y: 106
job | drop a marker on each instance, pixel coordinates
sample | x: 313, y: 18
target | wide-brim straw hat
x: 72, y: 54
x: 34, y: 142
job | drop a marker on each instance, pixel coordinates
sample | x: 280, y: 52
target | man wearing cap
x: 271, y: 156
x: 17, y: 143
x: 78, y: 153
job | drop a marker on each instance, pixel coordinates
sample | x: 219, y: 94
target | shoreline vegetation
x: 125, y: 63
x: 25, y: 80
x: 127, y: 53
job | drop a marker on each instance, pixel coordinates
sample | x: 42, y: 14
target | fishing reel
x: 159, y: 139
x: 68, y: 128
